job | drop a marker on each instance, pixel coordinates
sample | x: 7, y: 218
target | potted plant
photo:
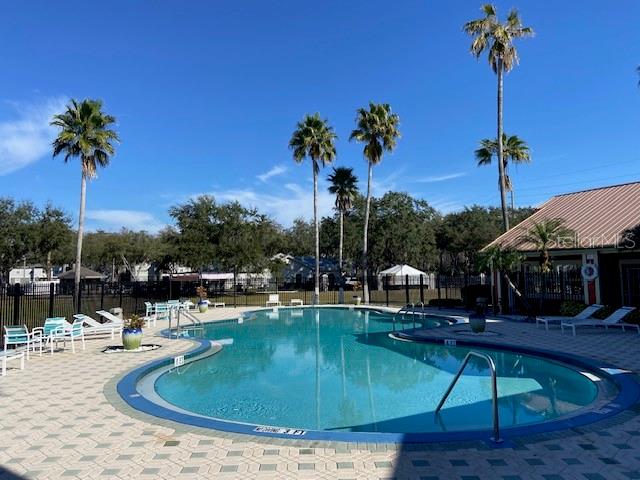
x: 477, y: 320
x: 132, y: 332
x: 203, y: 303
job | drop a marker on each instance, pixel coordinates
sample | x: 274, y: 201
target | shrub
x: 201, y: 292
x: 134, y: 323
x: 571, y: 308
x: 604, y: 312
x: 633, y: 317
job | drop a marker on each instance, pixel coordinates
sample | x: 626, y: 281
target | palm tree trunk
x: 341, y: 288
x: 316, y: 291
x: 49, y: 265
x: 341, y: 241
x: 83, y: 198
x: 503, y: 196
x: 365, y: 258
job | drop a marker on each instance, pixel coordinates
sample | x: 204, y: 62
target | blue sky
x: 207, y: 94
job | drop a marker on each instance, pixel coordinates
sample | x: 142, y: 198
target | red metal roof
x: 597, y: 217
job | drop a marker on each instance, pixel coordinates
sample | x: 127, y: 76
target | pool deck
x: 62, y: 418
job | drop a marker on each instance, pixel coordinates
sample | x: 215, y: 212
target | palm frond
x: 344, y: 185
x: 496, y: 38
x: 378, y: 129
x: 313, y: 138
x: 85, y: 133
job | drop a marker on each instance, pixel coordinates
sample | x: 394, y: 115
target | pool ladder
x: 409, y: 309
x: 494, y: 390
x: 178, y: 312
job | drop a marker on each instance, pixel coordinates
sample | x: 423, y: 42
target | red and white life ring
x: 589, y: 272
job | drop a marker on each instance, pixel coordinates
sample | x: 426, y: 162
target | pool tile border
x: 628, y: 396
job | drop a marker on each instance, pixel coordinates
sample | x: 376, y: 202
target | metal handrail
x: 494, y: 390
x: 403, y: 310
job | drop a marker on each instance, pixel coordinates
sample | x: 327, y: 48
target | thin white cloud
x: 117, y: 219
x: 293, y: 202
x: 440, y: 178
x: 381, y: 185
x: 273, y: 172
x: 27, y: 138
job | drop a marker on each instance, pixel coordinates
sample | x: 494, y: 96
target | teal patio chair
x: 19, y: 335
x: 52, y: 331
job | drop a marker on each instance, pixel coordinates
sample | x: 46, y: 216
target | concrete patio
x: 62, y: 418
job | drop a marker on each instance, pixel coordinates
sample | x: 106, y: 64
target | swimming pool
x: 337, y: 372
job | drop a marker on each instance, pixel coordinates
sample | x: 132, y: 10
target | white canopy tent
x: 397, y: 275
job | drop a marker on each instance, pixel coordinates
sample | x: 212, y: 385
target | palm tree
x: 513, y: 148
x: 489, y: 34
x: 502, y: 261
x: 314, y: 138
x: 344, y: 185
x: 543, y: 235
x: 377, y: 128
x: 84, y: 133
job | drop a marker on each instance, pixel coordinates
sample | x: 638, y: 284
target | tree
x: 197, y: 234
x: 85, y: 133
x: 299, y: 238
x: 18, y: 236
x: 503, y: 261
x: 137, y: 250
x: 54, y: 233
x: 377, y: 129
x: 314, y: 138
x: 544, y: 235
x: 514, y: 149
x: 344, y: 185
x: 497, y: 38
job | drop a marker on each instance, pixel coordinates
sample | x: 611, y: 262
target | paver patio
x: 62, y: 418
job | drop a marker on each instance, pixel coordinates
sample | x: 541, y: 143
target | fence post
x: 102, y: 295
x: 51, y: 298
x: 439, y: 295
x: 17, y: 293
x: 422, y: 289
x: 406, y: 288
x: 386, y: 287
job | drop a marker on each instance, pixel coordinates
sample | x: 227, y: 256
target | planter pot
x: 477, y: 322
x: 131, y: 338
x: 203, y: 306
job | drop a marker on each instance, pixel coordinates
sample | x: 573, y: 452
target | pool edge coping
x: 628, y: 395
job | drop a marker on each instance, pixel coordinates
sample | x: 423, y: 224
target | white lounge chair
x: 93, y: 327
x: 583, y: 315
x: 613, y: 320
x: 274, y: 300
x: 110, y: 317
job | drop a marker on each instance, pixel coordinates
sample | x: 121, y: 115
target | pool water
x: 338, y: 369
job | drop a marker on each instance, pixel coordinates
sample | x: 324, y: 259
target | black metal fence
x: 543, y: 293
x: 31, y: 304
